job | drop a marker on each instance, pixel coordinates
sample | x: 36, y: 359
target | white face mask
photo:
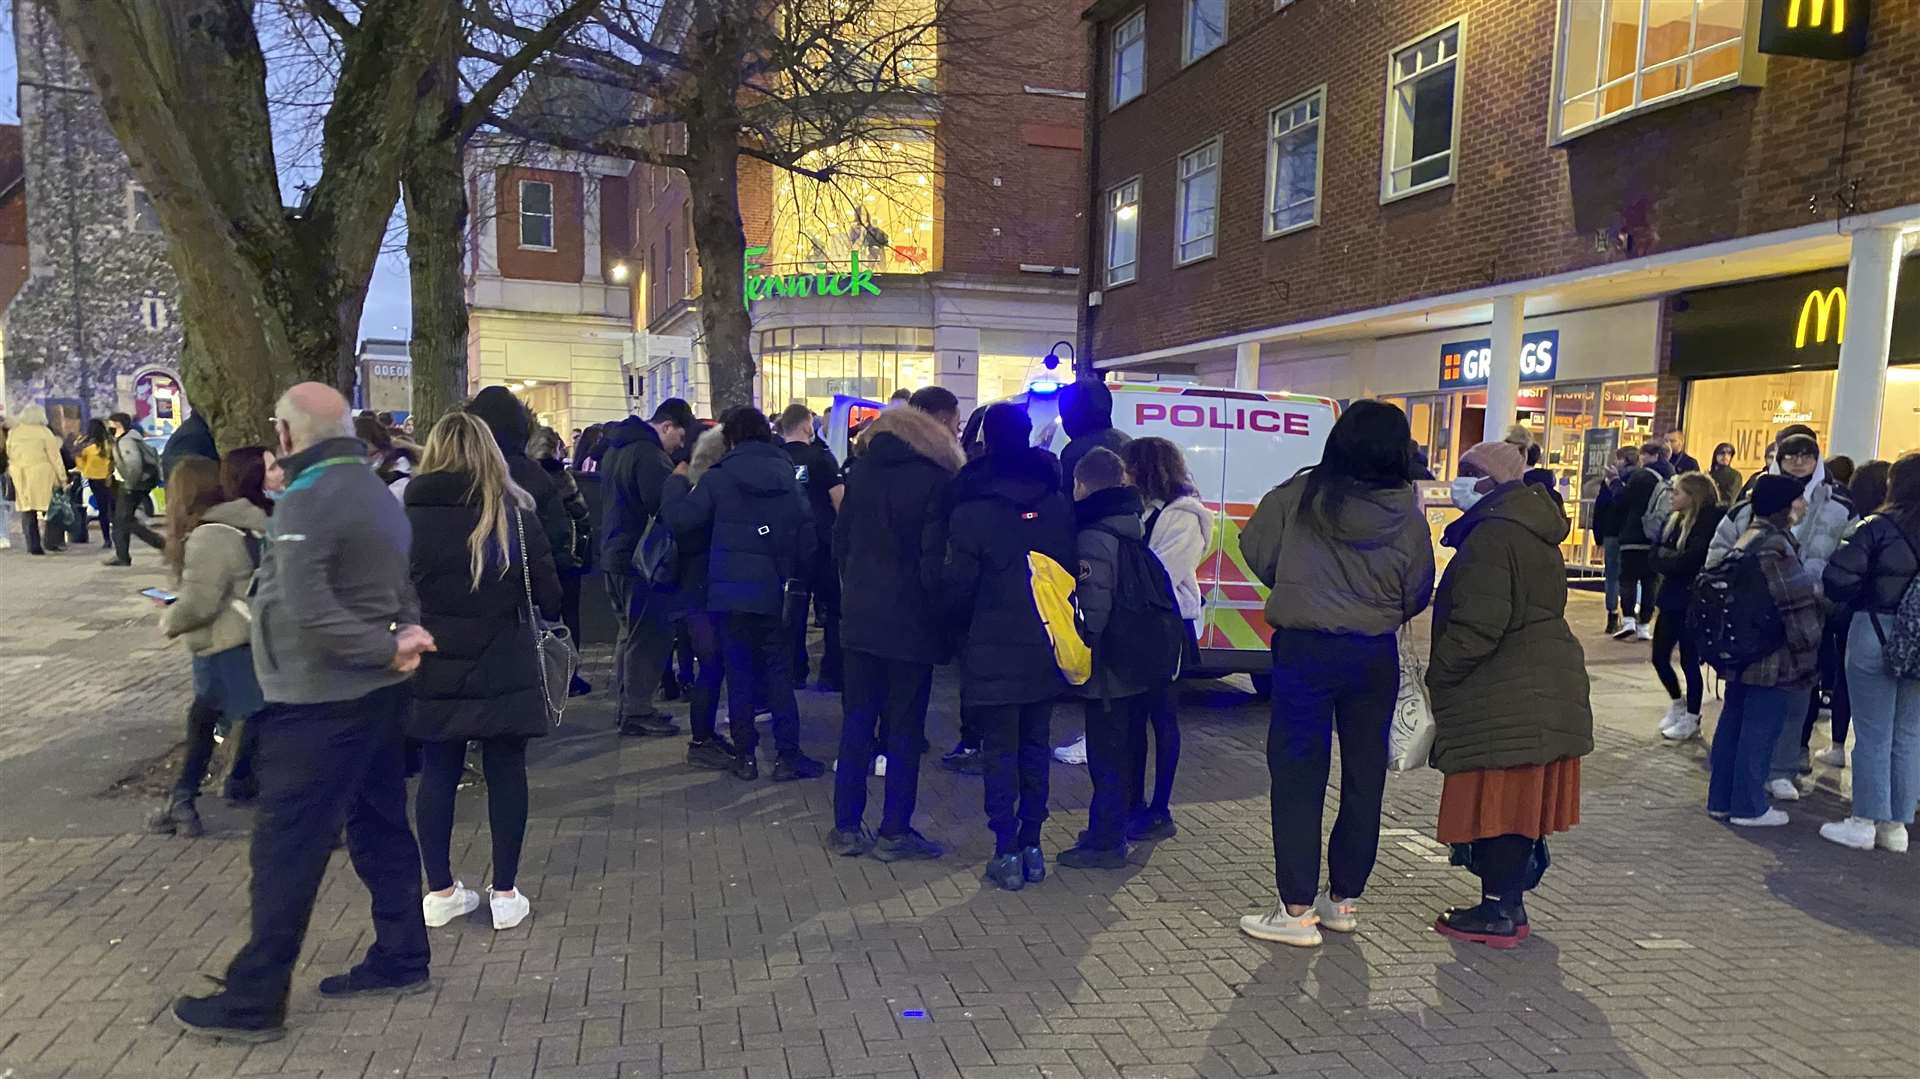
x: 1466, y: 491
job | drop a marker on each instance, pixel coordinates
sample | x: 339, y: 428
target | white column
x: 1503, y: 365
x: 1246, y: 366
x: 1861, y: 387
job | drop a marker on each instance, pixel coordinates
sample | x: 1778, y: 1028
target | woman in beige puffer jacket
x: 37, y: 471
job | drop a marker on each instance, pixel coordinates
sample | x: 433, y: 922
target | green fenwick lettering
x: 851, y: 282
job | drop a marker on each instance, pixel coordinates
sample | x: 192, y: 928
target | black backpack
x: 1145, y: 635
x: 1731, y: 614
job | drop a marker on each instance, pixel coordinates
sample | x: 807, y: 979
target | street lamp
x: 618, y: 273
x: 1051, y: 382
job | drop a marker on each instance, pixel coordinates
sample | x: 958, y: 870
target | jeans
x: 755, y: 649
x: 1743, y: 746
x: 223, y: 685
x: 1670, y: 630
x: 703, y: 692
x: 1886, y: 729
x: 102, y: 497
x: 823, y: 590
x: 1610, y: 558
x: 504, y: 761
x: 1323, y: 682
x: 1789, y: 756
x: 1016, y: 744
x: 1111, y: 726
x: 893, y: 694
x: 322, y: 767
x: 645, y: 640
x: 1160, y: 715
x: 1637, y: 578
x: 127, y: 524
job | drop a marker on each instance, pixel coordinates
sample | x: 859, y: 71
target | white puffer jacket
x: 1180, y: 538
x: 1818, y: 535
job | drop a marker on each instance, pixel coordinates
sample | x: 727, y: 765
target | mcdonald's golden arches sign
x: 1823, y: 317
x: 1815, y: 29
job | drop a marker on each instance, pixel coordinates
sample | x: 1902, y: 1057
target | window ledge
x: 1189, y: 61
x: 1275, y: 234
x: 1720, y: 85
x: 1430, y: 185
x: 535, y: 247
x: 1111, y: 285
x: 1178, y: 264
x: 1113, y: 107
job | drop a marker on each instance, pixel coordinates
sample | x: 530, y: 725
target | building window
x: 1206, y: 29
x: 1123, y: 232
x: 1423, y: 114
x: 1617, y: 56
x: 692, y: 267
x: 1129, y: 58
x: 536, y: 214
x: 666, y: 244
x: 1294, y: 139
x: 142, y: 214
x: 1199, y: 199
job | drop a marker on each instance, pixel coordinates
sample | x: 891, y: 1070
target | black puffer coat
x: 890, y: 538
x: 633, y: 466
x: 753, y: 518
x: 483, y: 681
x: 1004, y: 506
x: 1679, y: 563
x: 512, y: 425
x: 1872, y: 567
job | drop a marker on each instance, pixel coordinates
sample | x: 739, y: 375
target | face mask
x: 1466, y: 492
x: 273, y: 495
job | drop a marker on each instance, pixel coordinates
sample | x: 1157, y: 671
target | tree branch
x: 335, y: 19
x: 532, y: 48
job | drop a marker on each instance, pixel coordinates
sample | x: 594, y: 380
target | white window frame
x: 1180, y: 181
x: 1319, y: 122
x: 520, y: 221
x: 1458, y: 27
x: 134, y: 193
x: 1187, y: 55
x: 1132, y: 269
x: 1752, y: 70
x: 1139, y: 16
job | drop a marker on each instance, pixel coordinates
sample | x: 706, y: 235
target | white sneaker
x: 1783, y: 790
x: 508, y: 910
x: 1339, y: 917
x: 1074, y: 752
x: 441, y: 909
x: 1890, y: 835
x: 1855, y: 832
x: 1688, y: 727
x: 1772, y: 818
x: 1645, y: 632
x: 1676, y: 711
x: 1628, y: 627
x: 1299, y: 930
x: 1832, y: 757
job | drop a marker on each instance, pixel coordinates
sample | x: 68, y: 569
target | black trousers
x: 504, y: 762
x: 127, y: 524
x: 823, y: 590
x: 77, y: 495
x: 1833, y: 678
x: 1015, y: 741
x: 1111, y: 728
x: 203, y: 716
x: 1160, y: 716
x: 30, y: 525
x: 703, y: 692
x: 646, y: 637
x: 1669, y: 631
x: 1636, y: 571
x: 323, y: 767
x: 891, y: 694
x: 103, y: 496
x: 755, y: 649
x: 570, y: 606
x: 1323, y: 682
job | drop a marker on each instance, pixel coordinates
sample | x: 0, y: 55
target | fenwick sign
x: 849, y: 282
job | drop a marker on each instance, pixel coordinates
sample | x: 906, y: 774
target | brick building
x: 1603, y: 215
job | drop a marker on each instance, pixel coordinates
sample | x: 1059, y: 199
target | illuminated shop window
x: 878, y: 205
x: 1621, y: 55
x: 810, y: 364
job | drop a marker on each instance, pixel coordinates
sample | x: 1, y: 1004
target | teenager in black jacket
x: 478, y: 546
x: 1007, y: 504
x: 635, y: 461
x: 888, y: 542
x: 1678, y: 557
x: 1635, y: 544
x: 754, y: 522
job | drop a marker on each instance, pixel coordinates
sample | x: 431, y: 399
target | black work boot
x: 177, y: 817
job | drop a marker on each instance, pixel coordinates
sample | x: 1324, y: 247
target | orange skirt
x: 1535, y: 800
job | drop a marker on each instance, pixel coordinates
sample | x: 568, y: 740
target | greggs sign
x: 1814, y: 29
x: 1821, y: 310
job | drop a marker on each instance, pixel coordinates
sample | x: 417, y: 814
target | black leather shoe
x: 1486, y: 924
x: 362, y: 982
x: 177, y: 817
x: 910, y: 847
x: 217, y: 1018
x: 712, y: 755
x: 788, y: 769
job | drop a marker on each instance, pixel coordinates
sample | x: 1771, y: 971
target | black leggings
x: 1159, y: 713
x: 203, y: 715
x: 1502, y: 862
x: 1670, y: 630
x: 1636, y: 572
x: 504, y: 761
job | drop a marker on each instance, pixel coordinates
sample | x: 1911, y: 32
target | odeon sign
x: 849, y: 282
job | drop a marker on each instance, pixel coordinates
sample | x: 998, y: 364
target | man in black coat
x: 819, y: 477
x: 191, y: 439
x: 635, y: 461
x: 1086, y: 415
x: 1636, y: 547
x: 1005, y: 505
x: 889, y: 541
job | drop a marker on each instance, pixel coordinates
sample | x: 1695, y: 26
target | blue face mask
x: 1465, y: 490
x: 272, y: 495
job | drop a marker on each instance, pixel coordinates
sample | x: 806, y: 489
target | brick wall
x: 1732, y: 163
x: 566, y: 262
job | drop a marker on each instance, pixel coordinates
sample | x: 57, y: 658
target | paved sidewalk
x: 688, y: 924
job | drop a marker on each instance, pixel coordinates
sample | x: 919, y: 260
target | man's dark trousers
x: 127, y: 524
x: 754, y: 649
x: 645, y: 641
x: 1110, y: 753
x: 322, y: 766
x: 823, y: 591
x: 893, y: 692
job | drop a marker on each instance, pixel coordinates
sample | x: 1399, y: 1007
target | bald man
x: 335, y: 637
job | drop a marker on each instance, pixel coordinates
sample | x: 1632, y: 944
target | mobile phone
x: 159, y: 595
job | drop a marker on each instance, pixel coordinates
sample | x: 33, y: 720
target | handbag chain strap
x: 533, y: 613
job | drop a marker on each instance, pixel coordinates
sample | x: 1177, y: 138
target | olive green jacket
x: 1367, y: 573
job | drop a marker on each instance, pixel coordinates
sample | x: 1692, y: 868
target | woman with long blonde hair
x: 474, y: 537
x: 1677, y: 556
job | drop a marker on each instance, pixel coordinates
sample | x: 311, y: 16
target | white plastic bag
x: 1410, y: 738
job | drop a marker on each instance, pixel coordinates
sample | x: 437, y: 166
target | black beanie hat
x: 1772, y: 493
x: 1006, y: 429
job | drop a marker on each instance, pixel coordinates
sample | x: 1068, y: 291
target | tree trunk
x: 713, y: 183
x: 434, y: 189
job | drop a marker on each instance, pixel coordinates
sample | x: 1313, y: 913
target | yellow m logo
x: 1820, y: 308
x: 1817, y: 9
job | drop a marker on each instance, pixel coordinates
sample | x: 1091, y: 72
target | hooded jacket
x: 1086, y: 415
x: 1507, y: 679
x: 483, y: 678
x: 1105, y: 519
x: 216, y: 569
x: 1631, y: 506
x: 633, y: 467
x: 1873, y: 567
x: 1818, y: 535
x: 890, y: 537
x: 1180, y: 532
x: 1005, y: 505
x: 749, y: 512
x: 512, y: 426
x: 1371, y: 575
x: 191, y: 439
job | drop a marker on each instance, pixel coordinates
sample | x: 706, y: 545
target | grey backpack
x: 1901, y: 647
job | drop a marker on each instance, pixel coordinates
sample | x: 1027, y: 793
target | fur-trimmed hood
x: 921, y: 432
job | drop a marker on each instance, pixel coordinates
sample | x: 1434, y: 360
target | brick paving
x: 688, y: 924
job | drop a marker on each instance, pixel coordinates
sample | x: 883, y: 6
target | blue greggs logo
x: 1465, y: 363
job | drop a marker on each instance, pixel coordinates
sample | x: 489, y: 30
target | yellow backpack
x: 1053, y: 600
